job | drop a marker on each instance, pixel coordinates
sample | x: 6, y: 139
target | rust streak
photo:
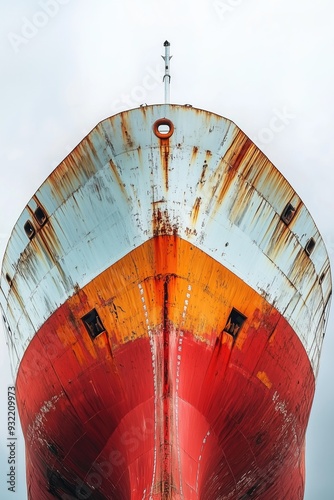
x: 236, y: 161
x: 194, y: 154
x: 241, y: 147
x: 118, y: 177
x: 202, y: 178
x: 162, y: 224
x: 126, y: 136
x: 140, y: 155
x: 195, y: 210
x: 164, y: 155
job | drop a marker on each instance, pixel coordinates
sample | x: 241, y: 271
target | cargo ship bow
x: 165, y: 294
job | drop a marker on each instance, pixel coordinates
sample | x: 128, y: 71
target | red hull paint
x: 178, y: 410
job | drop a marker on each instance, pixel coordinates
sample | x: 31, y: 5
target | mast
x: 167, y: 76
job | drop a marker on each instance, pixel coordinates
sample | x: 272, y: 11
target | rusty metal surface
x: 165, y: 402
x: 123, y: 183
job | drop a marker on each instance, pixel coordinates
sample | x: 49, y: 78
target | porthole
x: 40, y: 216
x: 93, y: 323
x: 163, y: 128
x: 288, y: 213
x: 310, y: 246
x: 234, y: 322
x: 29, y: 229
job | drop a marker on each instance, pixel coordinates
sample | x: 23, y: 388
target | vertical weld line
x: 154, y: 368
x: 177, y: 381
x: 166, y: 394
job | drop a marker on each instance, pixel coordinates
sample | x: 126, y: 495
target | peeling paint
x: 162, y: 235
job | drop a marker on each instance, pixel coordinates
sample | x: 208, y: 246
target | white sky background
x: 266, y: 64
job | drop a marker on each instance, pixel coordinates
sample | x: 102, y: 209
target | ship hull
x: 165, y: 295
x: 167, y: 404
